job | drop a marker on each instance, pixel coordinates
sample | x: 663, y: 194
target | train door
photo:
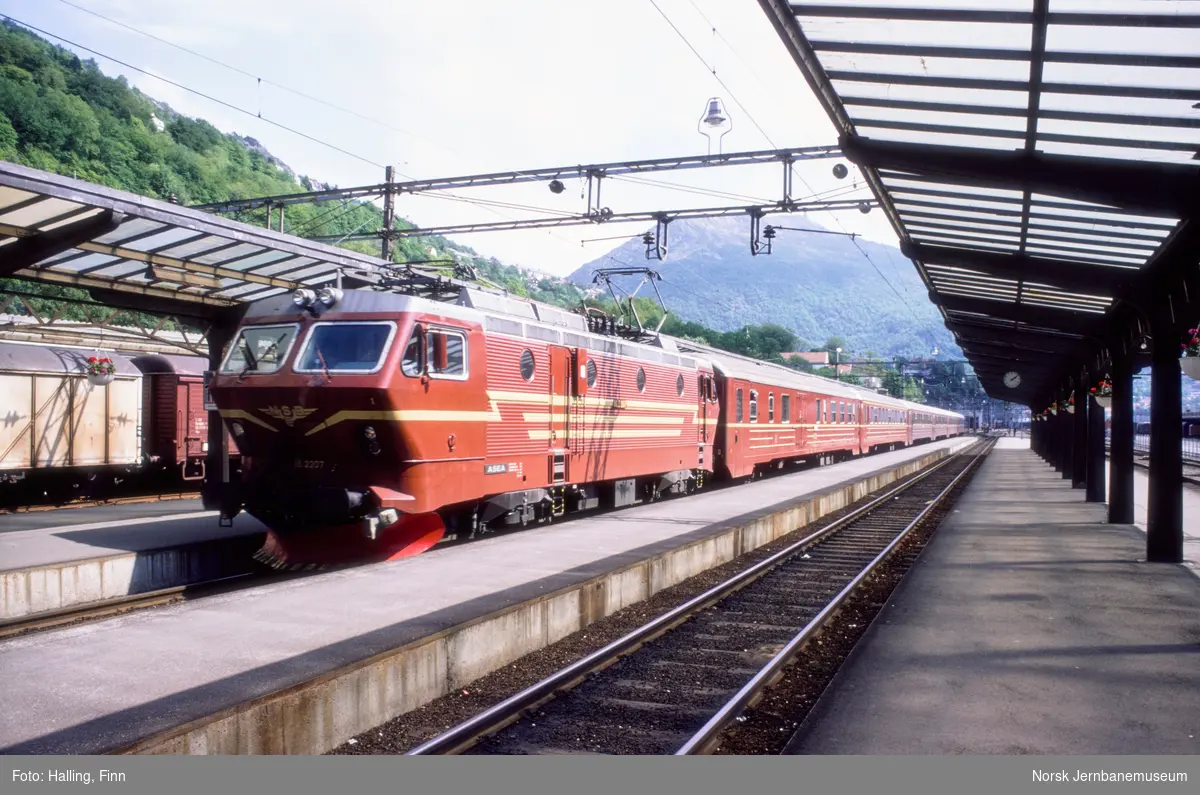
x: 705, y: 394
x: 561, y: 366
x: 739, y: 444
x: 798, y: 417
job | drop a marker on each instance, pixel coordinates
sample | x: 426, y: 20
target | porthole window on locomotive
x: 641, y: 380
x: 679, y: 384
x: 591, y: 373
x: 527, y: 365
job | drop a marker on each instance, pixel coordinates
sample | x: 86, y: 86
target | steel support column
x: 1164, y: 520
x: 1095, y: 449
x: 1120, y: 474
x: 1066, y: 452
x: 216, y: 466
x: 1079, y: 433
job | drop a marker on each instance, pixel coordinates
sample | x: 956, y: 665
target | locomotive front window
x: 260, y: 349
x: 343, y: 347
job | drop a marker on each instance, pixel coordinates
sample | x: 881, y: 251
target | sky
x: 440, y: 89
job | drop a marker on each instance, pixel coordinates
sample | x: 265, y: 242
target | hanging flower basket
x: 100, y: 370
x: 1102, y: 392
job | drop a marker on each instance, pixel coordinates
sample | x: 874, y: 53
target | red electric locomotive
x: 374, y: 423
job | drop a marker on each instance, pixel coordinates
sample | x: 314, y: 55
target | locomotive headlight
x: 303, y: 297
x: 369, y: 433
x: 329, y: 295
x: 237, y: 429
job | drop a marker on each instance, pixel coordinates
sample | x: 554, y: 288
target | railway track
x: 675, y: 684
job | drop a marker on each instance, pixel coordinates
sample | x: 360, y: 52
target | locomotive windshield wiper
x: 251, y: 362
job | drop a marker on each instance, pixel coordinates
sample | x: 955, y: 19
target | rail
x: 498, y: 718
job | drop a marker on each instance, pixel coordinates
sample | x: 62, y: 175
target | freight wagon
x: 63, y: 437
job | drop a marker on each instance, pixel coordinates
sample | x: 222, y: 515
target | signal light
x: 237, y: 429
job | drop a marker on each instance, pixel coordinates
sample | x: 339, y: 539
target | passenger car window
x: 754, y: 405
x: 739, y: 406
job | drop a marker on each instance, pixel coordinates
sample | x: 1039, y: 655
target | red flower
x: 91, y: 358
x: 1093, y: 389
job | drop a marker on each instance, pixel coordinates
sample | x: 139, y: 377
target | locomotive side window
x: 739, y: 406
x: 785, y: 415
x: 456, y: 353
x: 412, y: 364
x: 641, y: 380
x: 345, y: 347
x: 818, y: 411
x: 770, y: 407
x: 260, y: 349
x: 679, y: 384
x: 754, y: 405
x: 591, y: 373
x: 527, y: 365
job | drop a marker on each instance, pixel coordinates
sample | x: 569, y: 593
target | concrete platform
x: 303, y: 665
x: 57, y: 559
x: 1028, y: 626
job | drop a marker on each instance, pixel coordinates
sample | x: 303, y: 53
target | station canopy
x: 149, y: 255
x: 1037, y: 159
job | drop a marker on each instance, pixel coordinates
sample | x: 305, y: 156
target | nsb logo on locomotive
x: 289, y: 414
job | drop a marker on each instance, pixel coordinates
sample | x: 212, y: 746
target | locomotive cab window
x: 446, y: 353
x: 413, y: 362
x: 345, y: 347
x: 260, y: 349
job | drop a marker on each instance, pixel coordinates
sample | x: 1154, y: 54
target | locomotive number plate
x: 303, y: 464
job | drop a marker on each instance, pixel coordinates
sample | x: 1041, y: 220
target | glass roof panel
x: 36, y: 214
x: 238, y: 251
x: 1128, y: 153
x: 170, y: 236
x: 936, y: 138
x: 1124, y: 40
x: 910, y: 31
x: 902, y: 92
x: 120, y: 268
x: 1107, y: 74
x: 902, y: 182
x: 1132, y: 106
x: 983, y: 119
x: 87, y: 261
x: 936, y: 66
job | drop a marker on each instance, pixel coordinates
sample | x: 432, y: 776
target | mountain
x: 816, y: 284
